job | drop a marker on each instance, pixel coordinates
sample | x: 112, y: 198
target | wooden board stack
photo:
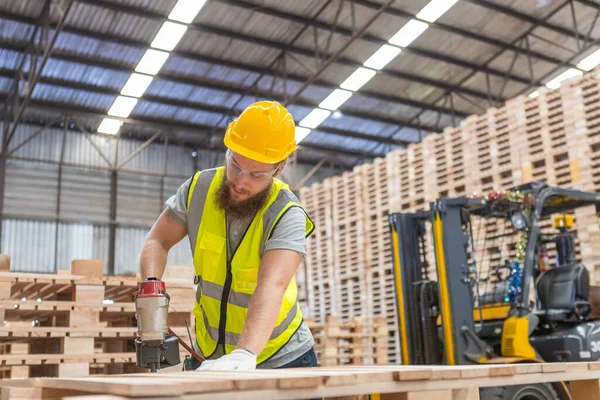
x: 554, y: 138
x: 401, y: 382
x: 77, y: 323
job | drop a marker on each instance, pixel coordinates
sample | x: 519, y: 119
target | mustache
x: 232, y: 187
x: 239, y: 209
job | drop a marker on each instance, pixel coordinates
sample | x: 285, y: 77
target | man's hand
x: 237, y: 360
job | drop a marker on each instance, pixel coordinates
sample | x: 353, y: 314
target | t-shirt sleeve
x: 290, y: 232
x: 177, y: 203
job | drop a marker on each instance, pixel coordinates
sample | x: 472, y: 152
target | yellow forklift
x: 476, y: 307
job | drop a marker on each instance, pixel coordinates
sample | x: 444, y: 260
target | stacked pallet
x: 319, y: 260
x: 76, y: 323
x: 355, y: 342
x: 554, y: 138
x: 348, y: 257
x: 376, y: 197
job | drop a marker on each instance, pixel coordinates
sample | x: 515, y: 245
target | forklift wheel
x: 538, y: 391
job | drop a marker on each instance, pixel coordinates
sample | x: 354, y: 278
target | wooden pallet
x: 63, y: 320
x: 354, y: 342
x: 405, y: 382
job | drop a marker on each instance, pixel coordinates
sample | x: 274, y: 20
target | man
x: 247, y: 232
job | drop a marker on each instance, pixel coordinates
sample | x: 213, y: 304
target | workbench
x: 404, y: 382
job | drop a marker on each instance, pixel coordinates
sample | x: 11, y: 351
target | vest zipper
x: 227, y: 286
x: 224, y: 301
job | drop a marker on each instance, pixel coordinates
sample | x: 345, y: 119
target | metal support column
x: 59, y: 193
x: 2, y: 181
x: 112, y: 214
x: 112, y: 229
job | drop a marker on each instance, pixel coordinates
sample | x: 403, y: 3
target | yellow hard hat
x: 264, y: 132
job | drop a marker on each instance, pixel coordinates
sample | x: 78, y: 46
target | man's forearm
x: 263, y: 311
x: 153, y: 259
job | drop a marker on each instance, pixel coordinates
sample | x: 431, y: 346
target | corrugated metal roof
x: 96, y: 18
x: 245, y: 37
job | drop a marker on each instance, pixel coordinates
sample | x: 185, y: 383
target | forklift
x: 494, y: 297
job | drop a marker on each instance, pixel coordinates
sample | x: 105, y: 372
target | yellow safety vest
x: 225, y: 288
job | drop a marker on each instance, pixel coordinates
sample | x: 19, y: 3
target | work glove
x: 237, y: 360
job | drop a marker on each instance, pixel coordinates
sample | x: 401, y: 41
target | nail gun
x: 156, y: 346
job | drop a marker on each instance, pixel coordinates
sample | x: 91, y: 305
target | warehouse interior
x: 109, y: 106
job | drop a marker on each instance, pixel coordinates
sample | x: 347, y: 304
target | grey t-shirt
x: 289, y: 233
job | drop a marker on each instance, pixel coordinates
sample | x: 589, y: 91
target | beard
x: 240, y: 209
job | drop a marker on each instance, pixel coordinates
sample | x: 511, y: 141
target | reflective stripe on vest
x: 225, y: 288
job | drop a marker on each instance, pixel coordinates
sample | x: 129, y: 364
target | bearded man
x: 247, y: 233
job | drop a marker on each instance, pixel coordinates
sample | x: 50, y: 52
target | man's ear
x: 282, y: 166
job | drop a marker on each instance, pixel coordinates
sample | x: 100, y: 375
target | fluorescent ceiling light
x: 169, y: 35
x: 533, y: 95
x: 358, y: 79
x: 382, y: 57
x: 335, y: 99
x: 590, y: 62
x: 570, y: 73
x: 314, y: 118
x: 301, y: 133
x: 408, y: 33
x: 122, y: 106
x: 152, y: 62
x: 435, y: 9
x: 186, y: 10
x: 136, y: 85
x: 110, y: 126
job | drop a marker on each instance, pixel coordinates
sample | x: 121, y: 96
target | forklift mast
x: 417, y: 308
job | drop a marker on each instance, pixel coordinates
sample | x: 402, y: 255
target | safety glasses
x: 238, y: 170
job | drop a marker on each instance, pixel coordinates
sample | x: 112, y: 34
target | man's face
x: 245, y: 186
x: 247, y: 178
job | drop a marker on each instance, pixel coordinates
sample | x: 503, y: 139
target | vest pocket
x: 245, y: 280
x: 211, y: 249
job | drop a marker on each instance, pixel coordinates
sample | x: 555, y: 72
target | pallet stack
x: 355, y: 342
x: 319, y: 260
x: 348, y: 265
x: 554, y: 138
x: 75, y: 323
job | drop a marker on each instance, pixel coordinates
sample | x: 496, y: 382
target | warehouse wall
x: 41, y: 230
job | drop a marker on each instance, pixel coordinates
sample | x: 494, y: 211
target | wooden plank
x: 97, y: 332
x: 117, y: 307
x: 413, y: 375
x: 588, y: 389
x: 93, y: 268
x: 140, y: 386
x: 73, y: 370
x: 38, y: 359
x: 77, y: 345
x: 283, y: 384
x: 88, y: 294
x: 19, y: 372
x: 465, y: 394
x: 33, y: 393
x: 528, y: 368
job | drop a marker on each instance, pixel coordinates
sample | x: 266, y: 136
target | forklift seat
x: 563, y: 293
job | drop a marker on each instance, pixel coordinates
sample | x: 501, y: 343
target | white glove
x: 237, y: 360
